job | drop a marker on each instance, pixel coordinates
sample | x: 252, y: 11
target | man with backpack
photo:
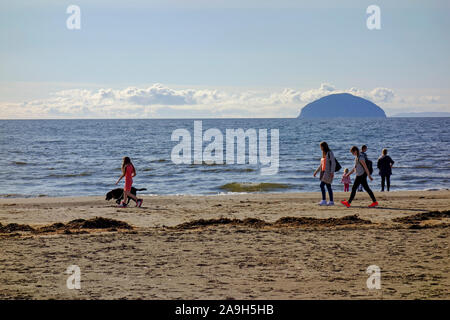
x: 367, y: 161
x: 362, y: 173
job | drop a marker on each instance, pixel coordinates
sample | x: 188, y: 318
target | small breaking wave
x: 253, y: 187
x: 14, y: 195
x: 70, y: 175
x: 19, y: 163
x: 159, y: 161
x: 219, y: 170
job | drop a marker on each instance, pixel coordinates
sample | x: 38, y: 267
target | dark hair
x: 325, y: 148
x: 384, y: 151
x: 353, y: 149
x: 363, y: 146
x: 125, y: 162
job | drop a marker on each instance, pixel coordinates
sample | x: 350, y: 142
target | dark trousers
x: 386, y: 178
x: 330, y: 191
x: 361, y: 180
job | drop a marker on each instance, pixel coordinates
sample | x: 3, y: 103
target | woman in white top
x: 362, y: 172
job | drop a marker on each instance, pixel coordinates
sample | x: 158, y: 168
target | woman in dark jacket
x: 384, y: 165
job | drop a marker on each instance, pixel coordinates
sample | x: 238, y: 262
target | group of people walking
x: 327, y: 168
x: 363, y: 169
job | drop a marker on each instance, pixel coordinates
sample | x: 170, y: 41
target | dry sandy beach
x: 242, y: 246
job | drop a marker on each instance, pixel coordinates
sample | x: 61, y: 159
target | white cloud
x: 314, y: 94
x: 430, y: 99
x: 158, y: 100
x: 376, y: 95
x: 381, y: 95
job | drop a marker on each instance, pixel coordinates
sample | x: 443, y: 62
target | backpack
x: 368, y: 164
x: 338, y: 166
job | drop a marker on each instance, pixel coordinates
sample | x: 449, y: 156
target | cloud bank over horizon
x: 160, y: 101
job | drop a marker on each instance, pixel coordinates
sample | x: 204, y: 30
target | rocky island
x: 341, y: 105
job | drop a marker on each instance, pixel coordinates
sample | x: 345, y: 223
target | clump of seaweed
x: 282, y: 222
x: 77, y: 225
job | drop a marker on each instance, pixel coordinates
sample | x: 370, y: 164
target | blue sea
x: 83, y: 157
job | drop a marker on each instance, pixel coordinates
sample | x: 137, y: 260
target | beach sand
x: 212, y: 247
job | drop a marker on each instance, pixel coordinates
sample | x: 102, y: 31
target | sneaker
x: 122, y: 205
x: 139, y: 203
x: 330, y: 203
x: 374, y: 204
x: 323, y: 203
x: 345, y: 203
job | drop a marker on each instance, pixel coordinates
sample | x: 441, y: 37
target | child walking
x: 346, y: 180
x: 128, y: 171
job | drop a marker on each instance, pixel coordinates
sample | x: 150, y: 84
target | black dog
x: 118, y: 194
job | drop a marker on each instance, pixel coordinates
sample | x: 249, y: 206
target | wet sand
x: 243, y: 246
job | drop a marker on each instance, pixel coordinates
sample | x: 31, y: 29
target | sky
x: 205, y: 59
